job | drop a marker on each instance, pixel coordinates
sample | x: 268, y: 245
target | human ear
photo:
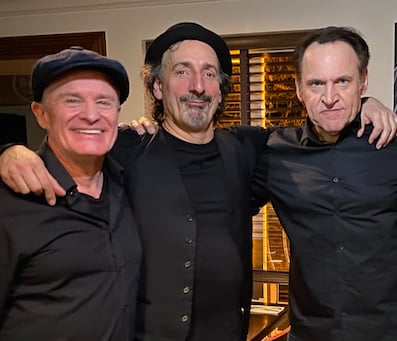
x: 364, y: 83
x: 157, y: 90
x: 40, y: 114
x: 298, y: 90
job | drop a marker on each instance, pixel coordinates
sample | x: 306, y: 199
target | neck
x: 91, y: 185
x: 86, y: 171
x: 326, y: 136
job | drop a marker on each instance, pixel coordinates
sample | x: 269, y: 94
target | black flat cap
x: 50, y: 67
x: 189, y: 31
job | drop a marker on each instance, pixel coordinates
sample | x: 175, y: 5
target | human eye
x: 105, y: 103
x: 343, y: 81
x: 72, y: 100
x: 315, y: 83
x: 210, y: 74
x: 183, y: 71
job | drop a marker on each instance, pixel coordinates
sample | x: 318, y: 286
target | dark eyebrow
x: 314, y: 80
x: 344, y: 77
x: 189, y: 64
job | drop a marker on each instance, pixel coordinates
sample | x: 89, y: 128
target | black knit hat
x: 48, y: 68
x: 189, y: 31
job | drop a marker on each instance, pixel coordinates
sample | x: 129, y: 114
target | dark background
x: 12, y: 128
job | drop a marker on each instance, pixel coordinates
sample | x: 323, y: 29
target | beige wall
x: 127, y: 27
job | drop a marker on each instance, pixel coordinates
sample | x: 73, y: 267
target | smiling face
x: 190, y: 90
x: 79, y: 111
x: 331, y: 87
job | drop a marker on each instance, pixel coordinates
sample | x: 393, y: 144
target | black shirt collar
x: 54, y: 166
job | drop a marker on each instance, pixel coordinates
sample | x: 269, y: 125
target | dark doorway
x: 12, y: 128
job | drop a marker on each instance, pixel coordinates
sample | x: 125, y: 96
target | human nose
x: 329, y: 95
x: 197, y: 84
x: 90, y: 111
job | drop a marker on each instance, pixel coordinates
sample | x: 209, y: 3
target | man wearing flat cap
x: 69, y: 272
x: 190, y: 188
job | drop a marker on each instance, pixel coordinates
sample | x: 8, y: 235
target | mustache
x: 204, y: 98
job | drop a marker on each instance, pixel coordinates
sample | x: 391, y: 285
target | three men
x: 191, y: 187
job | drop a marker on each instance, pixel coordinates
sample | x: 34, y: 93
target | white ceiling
x: 26, y: 7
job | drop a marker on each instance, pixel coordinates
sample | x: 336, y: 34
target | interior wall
x: 126, y: 28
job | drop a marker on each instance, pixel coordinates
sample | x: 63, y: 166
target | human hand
x: 383, y: 120
x: 143, y: 125
x: 23, y: 171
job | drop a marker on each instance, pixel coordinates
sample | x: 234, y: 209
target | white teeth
x: 89, y: 131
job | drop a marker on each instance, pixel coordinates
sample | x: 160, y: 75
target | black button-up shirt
x: 338, y: 205
x: 68, y: 272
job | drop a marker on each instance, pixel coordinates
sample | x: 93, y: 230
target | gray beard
x: 197, y: 118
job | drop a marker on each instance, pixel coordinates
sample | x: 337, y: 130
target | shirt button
x: 189, y: 218
x: 341, y: 248
x: 188, y: 264
x: 185, y: 318
x: 335, y: 180
x: 73, y: 193
x: 186, y: 290
x: 188, y: 240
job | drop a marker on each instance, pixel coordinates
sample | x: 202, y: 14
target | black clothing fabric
x: 216, y: 307
x: 170, y: 228
x: 68, y: 272
x: 338, y: 205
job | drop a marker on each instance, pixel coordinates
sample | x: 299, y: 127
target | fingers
x: 10, y: 163
x: 384, y: 122
x: 377, y: 133
x: 149, y: 125
x: 37, y: 181
x: 16, y: 183
x: 135, y: 125
x: 24, y: 172
x: 383, y: 132
x: 143, y: 125
x: 388, y: 133
x: 58, y: 189
x: 53, y: 190
x: 360, y: 132
x: 123, y: 125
